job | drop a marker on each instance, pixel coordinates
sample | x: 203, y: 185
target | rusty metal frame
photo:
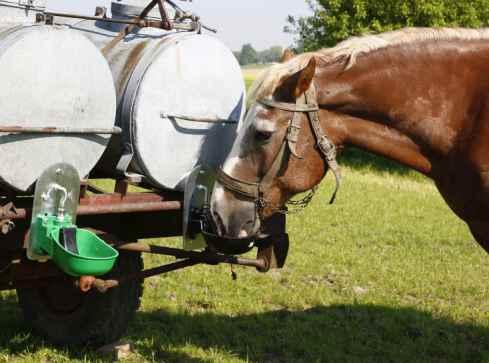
x: 111, y: 203
x: 128, y: 215
x: 135, y: 215
x: 120, y: 213
x: 21, y: 273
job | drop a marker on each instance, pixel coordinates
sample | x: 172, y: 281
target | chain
x: 298, y: 205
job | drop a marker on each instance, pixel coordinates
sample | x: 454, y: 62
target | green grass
x: 251, y: 72
x: 388, y: 273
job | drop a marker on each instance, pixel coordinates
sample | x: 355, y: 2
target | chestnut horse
x: 417, y: 96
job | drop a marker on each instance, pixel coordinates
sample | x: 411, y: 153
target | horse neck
x: 418, y: 96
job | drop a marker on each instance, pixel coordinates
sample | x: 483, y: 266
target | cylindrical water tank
x: 51, y: 77
x: 180, y: 99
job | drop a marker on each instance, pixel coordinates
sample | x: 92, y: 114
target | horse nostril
x: 247, y: 228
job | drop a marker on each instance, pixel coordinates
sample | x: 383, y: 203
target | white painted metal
x: 194, y: 76
x: 167, y: 73
x: 51, y: 76
x: 158, y: 72
x: 14, y: 12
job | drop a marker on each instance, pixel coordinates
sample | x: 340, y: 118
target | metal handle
x: 60, y: 130
x: 199, y: 119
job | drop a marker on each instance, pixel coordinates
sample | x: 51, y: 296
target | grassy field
x: 387, y: 274
x: 251, y: 72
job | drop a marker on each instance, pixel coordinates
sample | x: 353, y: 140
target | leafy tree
x: 272, y: 54
x: 335, y: 20
x: 248, y: 55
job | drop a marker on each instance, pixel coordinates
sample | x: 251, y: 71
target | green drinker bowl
x: 91, y: 256
x: 54, y: 234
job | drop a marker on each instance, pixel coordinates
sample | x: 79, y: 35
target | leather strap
x: 294, y: 129
x: 327, y: 148
x: 245, y: 189
x: 274, y: 170
x: 292, y: 107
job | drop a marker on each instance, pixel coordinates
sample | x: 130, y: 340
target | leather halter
x: 255, y: 191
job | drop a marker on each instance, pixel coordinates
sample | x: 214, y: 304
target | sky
x: 259, y: 22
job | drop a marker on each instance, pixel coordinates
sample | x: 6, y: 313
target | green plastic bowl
x: 95, y: 257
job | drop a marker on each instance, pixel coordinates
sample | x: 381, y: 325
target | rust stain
x: 131, y: 62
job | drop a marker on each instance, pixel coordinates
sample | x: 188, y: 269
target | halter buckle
x: 328, y: 148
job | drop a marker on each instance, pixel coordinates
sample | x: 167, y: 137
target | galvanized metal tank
x: 51, y: 77
x: 180, y: 99
x: 16, y: 12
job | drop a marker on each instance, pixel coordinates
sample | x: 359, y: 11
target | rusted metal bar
x: 85, y: 210
x: 204, y: 257
x: 31, y: 275
x: 117, y: 198
x: 86, y: 283
x: 96, y: 18
x: 201, y: 258
x: 48, y: 130
x: 110, y: 204
x: 141, y: 23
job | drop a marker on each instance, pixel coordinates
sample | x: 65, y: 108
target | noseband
x: 255, y: 191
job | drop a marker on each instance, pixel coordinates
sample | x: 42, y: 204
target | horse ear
x: 292, y: 87
x: 305, y: 78
x: 287, y: 55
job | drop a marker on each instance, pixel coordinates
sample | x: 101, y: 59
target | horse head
x: 274, y: 156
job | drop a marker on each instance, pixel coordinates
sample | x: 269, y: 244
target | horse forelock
x: 350, y: 49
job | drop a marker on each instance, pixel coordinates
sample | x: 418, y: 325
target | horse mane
x: 349, y: 50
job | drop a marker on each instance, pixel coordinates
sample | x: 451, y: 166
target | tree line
x: 335, y: 20
x: 248, y: 55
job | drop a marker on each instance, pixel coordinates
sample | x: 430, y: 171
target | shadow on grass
x: 337, y: 333
x: 358, y: 159
x: 17, y: 341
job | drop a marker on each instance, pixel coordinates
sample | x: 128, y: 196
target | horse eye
x: 263, y: 136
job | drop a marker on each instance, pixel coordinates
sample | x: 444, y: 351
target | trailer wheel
x: 66, y: 316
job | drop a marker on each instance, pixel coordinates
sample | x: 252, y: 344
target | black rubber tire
x: 65, y: 316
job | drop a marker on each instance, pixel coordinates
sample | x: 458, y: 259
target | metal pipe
x: 85, y: 283
x: 104, y: 285
x: 142, y: 23
x: 60, y: 130
x: 116, y: 208
x: 96, y: 18
x: 203, y: 257
x: 121, y: 208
